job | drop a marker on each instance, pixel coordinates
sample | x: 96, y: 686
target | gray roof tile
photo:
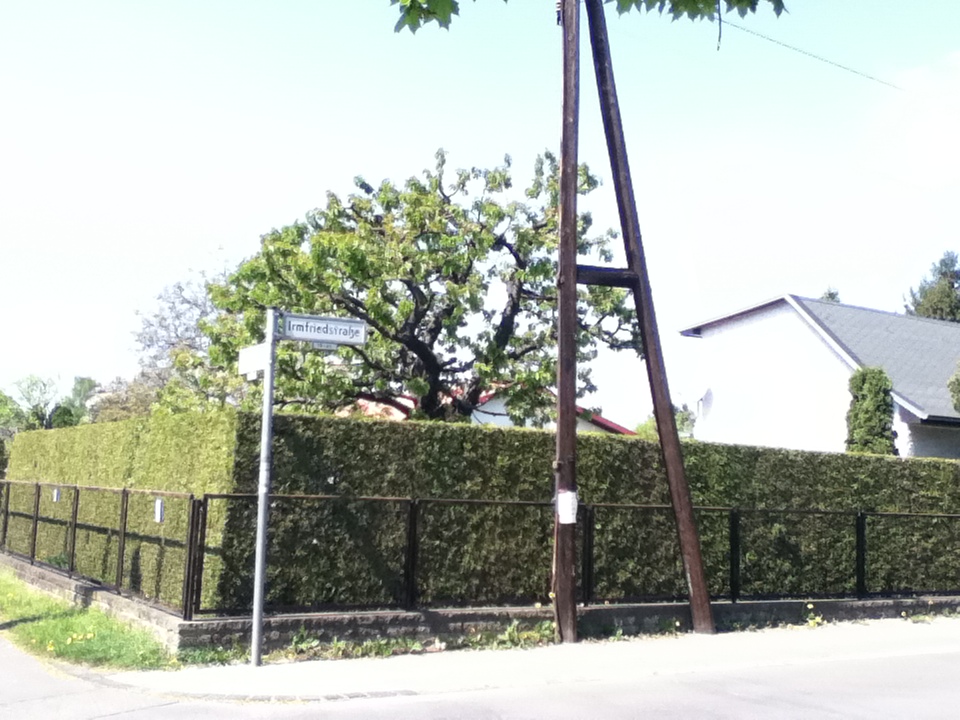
x: 919, y: 355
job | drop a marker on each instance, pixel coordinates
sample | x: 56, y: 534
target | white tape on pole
x: 567, y: 507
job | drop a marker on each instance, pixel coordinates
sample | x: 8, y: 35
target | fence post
x: 199, y: 551
x: 122, y: 539
x: 589, y: 528
x: 36, y: 522
x: 186, y: 598
x: 74, y: 511
x: 861, y: 554
x: 8, y: 488
x: 413, y: 550
x: 735, y: 554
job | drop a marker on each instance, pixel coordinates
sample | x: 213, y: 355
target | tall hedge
x: 176, y: 453
x: 351, y: 552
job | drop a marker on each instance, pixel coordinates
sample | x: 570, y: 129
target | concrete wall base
x: 594, y: 621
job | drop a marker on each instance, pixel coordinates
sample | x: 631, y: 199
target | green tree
x: 685, y: 417
x: 37, y: 401
x: 74, y: 408
x: 174, y: 327
x: 414, y: 14
x: 38, y: 408
x: 123, y: 399
x: 455, y: 280
x: 870, y: 417
x: 938, y: 296
x: 12, y: 417
x: 831, y: 294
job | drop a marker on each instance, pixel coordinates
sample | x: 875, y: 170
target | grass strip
x: 49, y: 627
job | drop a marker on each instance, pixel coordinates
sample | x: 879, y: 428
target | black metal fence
x: 195, y: 555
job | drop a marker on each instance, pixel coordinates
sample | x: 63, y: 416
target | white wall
x: 930, y: 441
x: 772, y: 381
x: 903, y: 420
x: 492, y: 412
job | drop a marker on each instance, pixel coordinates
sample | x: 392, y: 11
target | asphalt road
x: 910, y: 674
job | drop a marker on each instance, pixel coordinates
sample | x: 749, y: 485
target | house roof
x: 601, y: 422
x: 918, y: 354
x: 382, y: 411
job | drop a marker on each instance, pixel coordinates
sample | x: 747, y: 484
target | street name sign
x: 325, y: 330
x: 324, y: 333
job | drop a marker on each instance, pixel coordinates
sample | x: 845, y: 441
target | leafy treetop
x: 456, y: 279
x: 938, y: 296
x: 414, y: 14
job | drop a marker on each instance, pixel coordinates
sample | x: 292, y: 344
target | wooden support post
x: 700, y: 609
x: 565, y: 528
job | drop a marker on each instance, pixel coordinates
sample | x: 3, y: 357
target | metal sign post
x: 263, y: 489
x: 325, y: 333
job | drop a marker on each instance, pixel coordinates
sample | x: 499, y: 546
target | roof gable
x: 919, y: 354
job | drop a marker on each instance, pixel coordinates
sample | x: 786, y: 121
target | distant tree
x: 685, y: 418
x: 831, y: 294
x: 938, y: 296
x: 37, y: 401
x: 174, y: 353
x: 870, y: 417
x: 74, y: 409
x: 175, y: 326
x: 124, y: 399
x: 38, y: 408
x: 12, y: 417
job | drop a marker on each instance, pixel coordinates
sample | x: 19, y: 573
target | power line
x: 811, y: 55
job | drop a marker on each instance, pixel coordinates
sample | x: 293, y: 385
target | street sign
x: 318, y: 329
x: 253, y: 358
x: 324, y: 333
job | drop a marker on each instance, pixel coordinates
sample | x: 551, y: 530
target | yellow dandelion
x: 809, y: 606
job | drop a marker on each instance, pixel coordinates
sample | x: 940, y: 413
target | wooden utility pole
x: 564, y: 546
x: 636, y: 279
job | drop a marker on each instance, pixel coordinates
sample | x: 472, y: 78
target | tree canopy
x: 455, y: 278
x: 685, y: 418
x: 831, y: 294
x: 414, y: 14
x: 938, y: 295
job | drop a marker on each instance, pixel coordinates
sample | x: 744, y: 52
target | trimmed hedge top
x: 182, y: 453
x: 219, y: 452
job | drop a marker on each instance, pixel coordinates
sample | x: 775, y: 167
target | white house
x: 777, y: 375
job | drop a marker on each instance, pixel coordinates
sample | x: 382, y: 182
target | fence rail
x: 408, y: 547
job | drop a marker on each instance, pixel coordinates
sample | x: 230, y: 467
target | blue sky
x: 143, y: 142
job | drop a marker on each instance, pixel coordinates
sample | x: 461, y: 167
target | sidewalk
x: 464, y: 670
